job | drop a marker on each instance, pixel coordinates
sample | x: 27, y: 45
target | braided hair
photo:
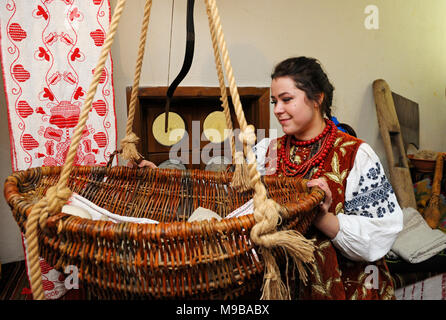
x: 308, y: 76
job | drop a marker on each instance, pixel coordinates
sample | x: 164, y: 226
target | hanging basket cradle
x: 174, y: 258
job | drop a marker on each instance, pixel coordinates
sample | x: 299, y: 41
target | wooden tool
x: 408, y: 115
x: 432, y: 213
x: 391, y: 134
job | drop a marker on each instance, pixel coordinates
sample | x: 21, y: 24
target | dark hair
x: 348, y: 129
x: 309, y: 77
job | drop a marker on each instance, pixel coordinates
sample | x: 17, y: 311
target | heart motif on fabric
x: 65, y: 115
x: 20, y: 74
x: 75, y: 54
x: 44, y: 266
x: 43, y: 54
x: 24, y: 109
x: 98, y: 37
x: 16, y: 32
x: 47, y: 285
x: 74, y: 14
x: 100, y: 107
x: 40, y: 110
x: 79, y: 93
x: 29, y: 142
x: 48, y: 94
x: 42, y: 12
x: 100, y: 139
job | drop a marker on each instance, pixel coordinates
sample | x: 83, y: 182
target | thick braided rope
x: 266, y: 211
x: 239, y: 178
x: 129, y: 150
x: 57, y: 195
x: 33, y: 249
x: 215, y: 18
x: 221, y: 80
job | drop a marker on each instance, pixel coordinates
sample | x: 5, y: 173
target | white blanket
x: 417, y: 242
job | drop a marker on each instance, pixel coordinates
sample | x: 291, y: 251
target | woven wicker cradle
x: 171, y: 259
x: 175, y: 258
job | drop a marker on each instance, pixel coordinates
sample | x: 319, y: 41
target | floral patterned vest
x: 333, y: 276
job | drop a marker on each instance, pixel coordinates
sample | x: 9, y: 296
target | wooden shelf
x: 193, y: 104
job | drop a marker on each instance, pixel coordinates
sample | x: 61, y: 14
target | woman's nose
x: 278, y: 108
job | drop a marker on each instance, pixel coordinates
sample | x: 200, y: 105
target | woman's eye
x: 273, y: 102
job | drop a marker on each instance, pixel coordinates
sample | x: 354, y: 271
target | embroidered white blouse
x: 372, y: 217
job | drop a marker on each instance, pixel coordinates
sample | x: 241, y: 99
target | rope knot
x: 130, y: 138
x: 128, y: 143
x: 56, y: 197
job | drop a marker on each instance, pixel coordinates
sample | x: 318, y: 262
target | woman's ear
x: 319, y: 100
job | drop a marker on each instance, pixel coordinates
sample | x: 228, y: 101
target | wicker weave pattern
x: 171, y: 259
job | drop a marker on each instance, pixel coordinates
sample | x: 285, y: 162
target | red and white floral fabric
x: 53, y: 281
x: 49, y: 49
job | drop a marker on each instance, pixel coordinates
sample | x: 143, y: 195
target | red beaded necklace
x: 291, y: 169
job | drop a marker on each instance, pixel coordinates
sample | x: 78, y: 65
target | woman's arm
x: 372, y: 217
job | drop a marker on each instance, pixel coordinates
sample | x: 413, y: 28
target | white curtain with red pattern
x: 49, y: 49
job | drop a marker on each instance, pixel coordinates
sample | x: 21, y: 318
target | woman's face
x: 298, y: 115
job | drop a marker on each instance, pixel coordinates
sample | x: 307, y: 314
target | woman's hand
x: 144, y: 163
x: 322, y: 183
x: 326, y: 221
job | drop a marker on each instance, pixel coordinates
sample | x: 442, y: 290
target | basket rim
x: 134, y: 231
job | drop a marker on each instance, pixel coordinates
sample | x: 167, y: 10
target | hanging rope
x: 240, y: 177
x: 58, y: 195
x: 129, y: 142
x: 266, y: 213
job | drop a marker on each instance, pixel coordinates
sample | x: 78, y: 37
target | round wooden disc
x: 214, y: 127
x: 175, y: 131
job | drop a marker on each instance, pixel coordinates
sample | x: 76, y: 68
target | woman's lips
x: 283, y: 121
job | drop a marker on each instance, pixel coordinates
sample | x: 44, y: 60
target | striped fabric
x: 433, y: 288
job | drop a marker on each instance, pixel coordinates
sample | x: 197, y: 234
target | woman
x: 360, y: 216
